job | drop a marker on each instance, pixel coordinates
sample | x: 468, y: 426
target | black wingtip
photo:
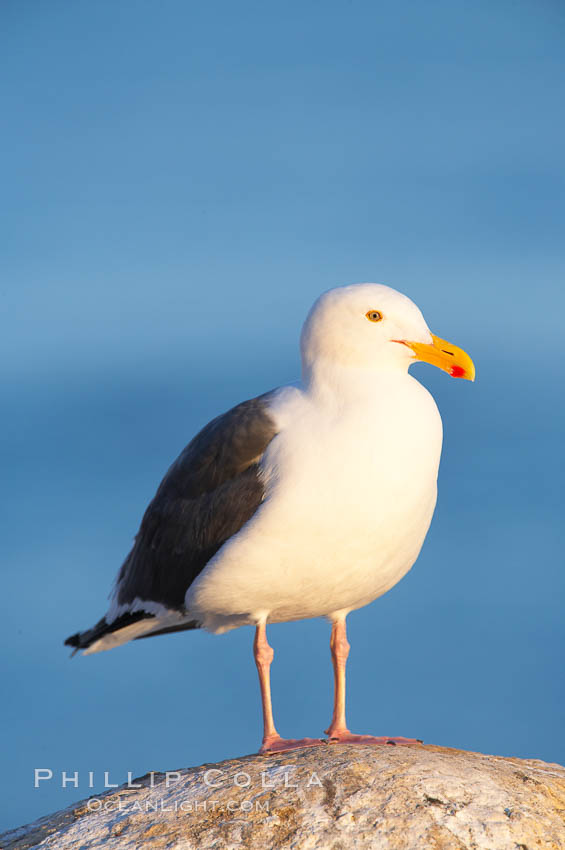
x: 74, y: 641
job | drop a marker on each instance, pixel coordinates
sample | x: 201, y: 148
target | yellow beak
x: 446, y: 356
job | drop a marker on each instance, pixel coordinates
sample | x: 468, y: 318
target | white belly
x: 349, y: 501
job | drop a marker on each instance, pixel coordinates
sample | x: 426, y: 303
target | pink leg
x: 272, y: 741
x: 338, y: 731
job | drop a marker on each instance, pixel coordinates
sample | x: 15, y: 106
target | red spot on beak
x: 456, y: 372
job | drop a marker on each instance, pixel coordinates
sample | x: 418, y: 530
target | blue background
x: 180, y: 181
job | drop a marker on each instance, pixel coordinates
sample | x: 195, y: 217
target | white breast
x: 350, y: 493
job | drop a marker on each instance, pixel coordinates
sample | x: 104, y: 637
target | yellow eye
x: 374, y: 316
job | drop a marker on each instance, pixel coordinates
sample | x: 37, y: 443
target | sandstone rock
x: 336, y: 796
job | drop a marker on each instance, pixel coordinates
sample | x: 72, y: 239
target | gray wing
x: 207, y: 495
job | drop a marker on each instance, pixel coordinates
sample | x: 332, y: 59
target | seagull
x: 311, y: 500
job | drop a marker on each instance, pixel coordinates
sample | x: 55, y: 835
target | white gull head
x: 369, y: 327
x: 360, y: 325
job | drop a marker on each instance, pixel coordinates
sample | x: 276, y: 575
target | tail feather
x: 103, y: 629
x: 82, y: 640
